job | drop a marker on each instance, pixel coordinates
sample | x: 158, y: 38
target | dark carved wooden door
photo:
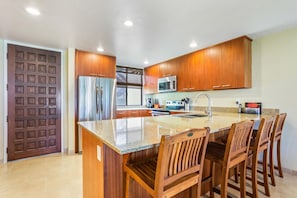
x: 34, y: 102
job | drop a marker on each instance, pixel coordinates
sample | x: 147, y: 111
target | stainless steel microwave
x: 167, y: 84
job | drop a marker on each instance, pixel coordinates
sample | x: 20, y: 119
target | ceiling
x: 163, y: 29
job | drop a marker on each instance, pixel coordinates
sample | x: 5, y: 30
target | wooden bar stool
x: 179, y: 165
x: 233, y: 153
x: 276, y: 137
x: 259, y: 143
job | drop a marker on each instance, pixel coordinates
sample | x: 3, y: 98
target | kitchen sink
x: 196, y: 115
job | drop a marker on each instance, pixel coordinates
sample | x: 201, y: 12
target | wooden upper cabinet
x: 223, y: 66
x: 168, y: 68
x: 92, y: 64
x: 229, y: 64
x: 191, y: 72
x: 151, y: 75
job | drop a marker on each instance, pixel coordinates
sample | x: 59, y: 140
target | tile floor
x: 60, y: 175
x: 48, y: 176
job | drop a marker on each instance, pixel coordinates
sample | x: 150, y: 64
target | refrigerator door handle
x: 97, y: 109
x: 101, y: 93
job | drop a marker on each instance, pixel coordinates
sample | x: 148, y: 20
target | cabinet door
x: 145, y: 113
x: 183, y: 79
x: 108, y: 68
x: 91, y: 64
x: 197, y: 71
x: 133, y: 113
x: 229, y: 60
x: 228, y: 65
x: 168, y: 68
x: 243, y: 68
x: 121, y: 113
x: 151, y: 75
x: 213, y: 67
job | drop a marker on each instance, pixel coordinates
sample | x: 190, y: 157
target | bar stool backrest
x: 278, y: 126
x: 263, y: 134
x: 238, y: 142
x: 180, y: 155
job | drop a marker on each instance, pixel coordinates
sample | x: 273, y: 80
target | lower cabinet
x: 133, y: 113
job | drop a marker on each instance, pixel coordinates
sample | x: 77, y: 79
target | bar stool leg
x: 279, y: 165
x: 242, y: 179
x: 224, y: 183
x: 254, y: 175
x: 271, y: 164
x: 127, y: 185
x: 265, y: 173
x: 211, y: 183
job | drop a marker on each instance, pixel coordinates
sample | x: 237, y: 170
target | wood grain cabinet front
x: 91, y: 64
x: 222, y: 66
x: 121, y: 114
x: 229, y: 64
x: 151, y: 75
x: 133, y: 113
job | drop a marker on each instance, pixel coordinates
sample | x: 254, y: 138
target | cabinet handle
x: 191, y: 88
x: 120, y: 112
x: 165, y: 75
x: 93, y: 74
x: 185, y: 89
x: 226, y: 85
x: 216, y: 86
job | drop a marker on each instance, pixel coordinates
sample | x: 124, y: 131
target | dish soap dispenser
x: 239, y: 108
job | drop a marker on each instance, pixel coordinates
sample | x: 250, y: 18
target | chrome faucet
x: 208, y: 111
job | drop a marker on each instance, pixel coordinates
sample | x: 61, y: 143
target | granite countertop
x: 128, y: 135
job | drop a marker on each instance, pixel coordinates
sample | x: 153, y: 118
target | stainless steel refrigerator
x: 96, y: 100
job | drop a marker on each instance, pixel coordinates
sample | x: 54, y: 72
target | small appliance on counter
x: 252, y: 108
x: 187, y: 103
x: 149, y: 103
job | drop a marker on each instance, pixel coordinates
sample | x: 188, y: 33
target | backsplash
x: 219, y: 98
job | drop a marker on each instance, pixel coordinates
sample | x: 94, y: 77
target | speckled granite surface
x: 132, y: 134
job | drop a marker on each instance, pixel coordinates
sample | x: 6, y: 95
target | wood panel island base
x: 109, y: 144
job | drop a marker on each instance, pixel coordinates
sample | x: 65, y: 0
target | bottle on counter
x: 239, y: 108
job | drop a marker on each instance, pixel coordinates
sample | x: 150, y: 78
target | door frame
x: 5, y: 95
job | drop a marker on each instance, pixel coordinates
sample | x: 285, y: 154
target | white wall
x: 274, y: 71
x: 2, y: 117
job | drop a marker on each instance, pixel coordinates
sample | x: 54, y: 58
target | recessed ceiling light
x: 146, y: 62
x: 33, y: 11
x: 128, y: 23
x: 100, y: 49
x: 193, y: 44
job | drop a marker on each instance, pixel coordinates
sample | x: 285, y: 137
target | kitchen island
x: 108, y: 144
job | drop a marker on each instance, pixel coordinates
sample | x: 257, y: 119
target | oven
x: 158, y: 112
x: 170, y: 105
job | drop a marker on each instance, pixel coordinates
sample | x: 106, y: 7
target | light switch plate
x: 98, y: 153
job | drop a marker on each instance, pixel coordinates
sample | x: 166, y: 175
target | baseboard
x: 290, y: 171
